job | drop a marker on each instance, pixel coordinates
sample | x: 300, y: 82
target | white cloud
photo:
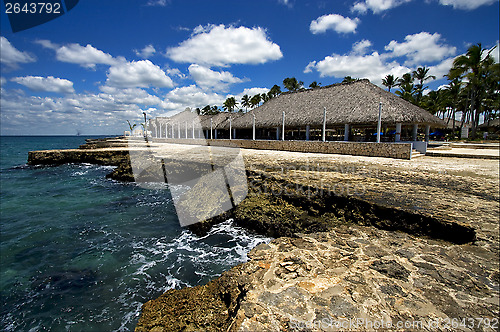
x: 176, y: 72
x: 11, y: 57
x: 146, y: 52
x: 85, y: 56
x: 370, y: 66
x: 361, y: 47
x: 101, y: 113
x: 420, y: 48
x: 191, y: 96
x: 209, y: 79
x: 441, y: 68
x: 466, y: 4
x: 138, y: 74
x: 376, y: 6
x: 334, y: 22
x: 161, y: 3
x: 46, y: 84
x: 218, y: 45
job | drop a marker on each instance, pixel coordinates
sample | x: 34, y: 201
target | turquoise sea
x: 79, y: 252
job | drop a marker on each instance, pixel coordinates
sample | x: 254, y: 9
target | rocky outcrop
x: 361, y: 244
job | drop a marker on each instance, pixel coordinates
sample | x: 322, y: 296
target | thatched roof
x: 495, y: 123
x: 219, y: 121
x: 354, y: 103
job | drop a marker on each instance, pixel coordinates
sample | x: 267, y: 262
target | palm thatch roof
x: 354, y: 103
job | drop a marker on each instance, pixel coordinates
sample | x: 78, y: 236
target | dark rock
x: 391, y: 269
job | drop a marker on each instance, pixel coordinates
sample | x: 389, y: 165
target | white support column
x: 253, y: 127
x: 379, y: 124
x: 427, y: 133
x: 193, y: 131
x: 324, y: 125
x: 398, y: 132
x: 347, y: 128
x: 308, y: 132
x: 414, y: 132
x: 211, y: 128
x: 283, y: 127
x: 230, y: 128
x: 178, y: 130
x: 186, y: 129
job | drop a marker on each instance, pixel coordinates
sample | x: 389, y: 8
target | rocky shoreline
x: 403, y: 241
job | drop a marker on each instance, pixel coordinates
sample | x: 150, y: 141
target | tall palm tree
x: 314, y: 85
x: 230, y: 104
x: 348, y: 79
x: 474, y: 66
x: 390, y: 81
x: 291, y: 84
x: 255, y: 100
x: 264, y: 97
x: 275, y: 91
x: 245, y: 102
x: 421, y: 74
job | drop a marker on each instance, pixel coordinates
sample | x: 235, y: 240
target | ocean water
x: 79, y: 252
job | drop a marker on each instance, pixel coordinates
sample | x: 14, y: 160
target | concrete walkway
x: 476, y: 153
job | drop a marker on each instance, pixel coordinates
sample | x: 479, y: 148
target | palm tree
x: 406, y: 92
x: 474, y: 66
x: 131, y: 126
x: 255, y: 100
x: 245, y: 102
x: 314, y: 85
x: 275, y: 91
x: 421, y: 74
x: 264, y: 97
x: 230, y: 104
x: 291, y: 84
x: 349, y: 79
x: 406, y: 79
x: 390, y: 82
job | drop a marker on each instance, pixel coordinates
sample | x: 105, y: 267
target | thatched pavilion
x: 338, y: 112
x: 352, y: 111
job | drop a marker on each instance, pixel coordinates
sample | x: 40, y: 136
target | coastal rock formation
x: 361, y: 244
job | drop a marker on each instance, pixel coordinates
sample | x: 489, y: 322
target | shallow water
x: 81, y: 252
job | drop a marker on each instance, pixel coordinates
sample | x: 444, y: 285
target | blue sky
x: 105, y: 62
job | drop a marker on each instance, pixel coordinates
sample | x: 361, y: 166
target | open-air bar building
x: 339, y: 112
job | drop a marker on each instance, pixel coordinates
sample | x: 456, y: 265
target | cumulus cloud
x: 420, y: 48
x: 46, y: 84
x: 218, y: 45
x: 146, y: 52
x: 105, y: 112
x: 334, y: 22
x: 361, y: 47
x: 466, y: 4
x: 209, y: 79
x: 372, y: 66
x: 10, y: 57
x: 85, y: 56
x: 376, y: 6
x: 191, y: 96
x: 160, y: 3
x: 441, y: 68
x: 138, y: 74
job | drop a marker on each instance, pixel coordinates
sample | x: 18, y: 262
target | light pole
x: 145, y: 126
